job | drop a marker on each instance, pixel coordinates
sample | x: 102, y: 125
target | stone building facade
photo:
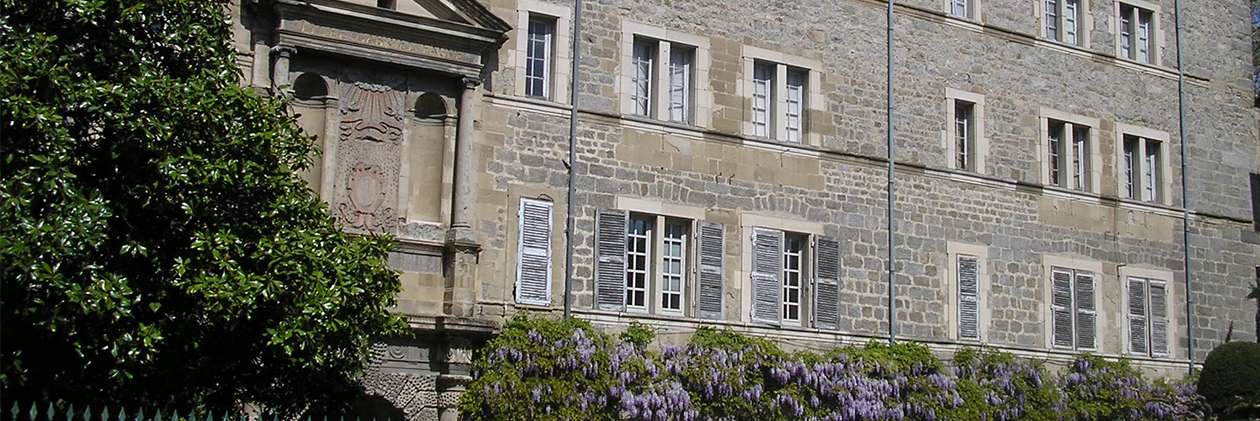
x: 732, y: 169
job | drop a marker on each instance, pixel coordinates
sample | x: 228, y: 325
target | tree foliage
x: 156, y: 245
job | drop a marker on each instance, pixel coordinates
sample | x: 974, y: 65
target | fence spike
x: 210, y: 415
x: 175, y: 415
x: 157, y: 415
x: 70, y: 413
x: 48, y: 413
x: 140, y: 414
x: 122, y: 413
x: 87, y: 413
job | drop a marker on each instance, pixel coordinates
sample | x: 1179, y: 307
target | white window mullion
x: 778, y: 115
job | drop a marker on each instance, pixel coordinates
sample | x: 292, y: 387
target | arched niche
x: 310, y: 87
x: 431, y: 106
x: 428, y: 137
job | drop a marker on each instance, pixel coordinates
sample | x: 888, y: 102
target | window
x: 1138, y: 32
x: 1069, y: 152
x: 1148, y: 317
x: 661, y: 71
x: 968, y: 272
x: 1073, y: 311
x: 533, y: 262
x: 645, y: 264
x: 966, y: 9
x: 784, y: 273
x: 1063, y: 20
x: 540, y: 56
x: 965, y: 282
x: 778, y: 90
x: 538, y: 59
x: 965, y: 144
x: 1142, y: 164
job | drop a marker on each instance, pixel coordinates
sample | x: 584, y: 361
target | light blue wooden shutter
x: 767, y: 286
x: 1137, y: 316
x: 1085, y: 311
x: 968, y: 297
x: 827, y: 283
x: 610, y: 265
x: 533, y: 269
x: 1061, y: 307
x: 1159, y: 318
x: 711, y: 272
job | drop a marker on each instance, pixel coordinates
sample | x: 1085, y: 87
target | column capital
x: 284, y: 50
x: 470, y: 82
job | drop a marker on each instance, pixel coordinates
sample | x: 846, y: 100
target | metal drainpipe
x: 572, y: 164
x: 1185, y: 199
x: 892, y: 197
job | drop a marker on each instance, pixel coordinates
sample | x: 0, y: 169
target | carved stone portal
x: 369, y: 157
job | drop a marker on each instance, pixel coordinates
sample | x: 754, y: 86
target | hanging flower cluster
x: 564, y: 370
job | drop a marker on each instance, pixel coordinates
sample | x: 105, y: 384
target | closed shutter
x: 766, y: 275
x: 827, y: 282
x: 1159, y: 318
x: 1061, y: 306
x: 533, y: 268
x: 968, y: 297
x: 711, y: 273
x: 1085, y: 311
x: 1137, y: 316
x: 610, y: 265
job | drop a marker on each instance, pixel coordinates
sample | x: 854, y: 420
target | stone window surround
x: 981, y: 253
x: 744, y: 274
x: 1157, y: 33
x: 659, y: 213
x: 980, y: 142
x: 702, y: 96
x: 1043, y: 148
x: 1164, y: 173
x: 813, y: 102
x: 561, y: 48
x: 975, y: 10
x: 1103, y: 319
x: 1174, y: 307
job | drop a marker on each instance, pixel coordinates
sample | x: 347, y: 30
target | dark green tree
x: 1255, y: 295
x: 155, y: 244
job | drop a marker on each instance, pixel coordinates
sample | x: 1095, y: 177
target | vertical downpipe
x: 892, y: 197
x: 1185, y: 198
x: 573, y: 116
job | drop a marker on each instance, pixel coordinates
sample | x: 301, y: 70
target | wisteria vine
x: 565, y: 370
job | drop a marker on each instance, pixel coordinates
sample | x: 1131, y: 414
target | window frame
x: 555, y: 86
x: 971, y: 9
x: 698, y: 101
x: 810, y: 234
x: 979, y: 143
x: 1084, y: 21
x: 1067, y: 153
x: 1143, y: 137
x: 1155, y: 36
x: 777, y: 121
x: 954, y: 294
x: 1101, y: 323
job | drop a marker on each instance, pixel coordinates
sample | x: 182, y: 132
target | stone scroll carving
x: 369, y: 157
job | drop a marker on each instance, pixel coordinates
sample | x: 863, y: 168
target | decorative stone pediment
x: 447, y: 36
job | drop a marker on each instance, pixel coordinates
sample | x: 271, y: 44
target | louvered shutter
x: 711, y: 273
x: 827, y: 282
x: 1159, y: 318
x: 1137, y: 316
x: 1061, y: 305
x: 610, y: 265
x: 766, y: 274
x: 968, y: 297
x: 1085, y: 311
x: 533, y: 269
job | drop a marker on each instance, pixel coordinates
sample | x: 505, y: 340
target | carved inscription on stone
x: 368, y: 156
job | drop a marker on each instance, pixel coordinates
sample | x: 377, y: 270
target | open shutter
x: 533, y: 259
x: 1159, y: 318
x: 1085, y: 311
x: 610, y: 265
x: 827, y: 282
x: 968, y: 297
x: 711, y: 276
x: 1061, y: 305
x: 766, y: 275
x: 1137, y: 316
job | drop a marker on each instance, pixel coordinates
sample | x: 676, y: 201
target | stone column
x: 461, y: 232
x: 280, y: 70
